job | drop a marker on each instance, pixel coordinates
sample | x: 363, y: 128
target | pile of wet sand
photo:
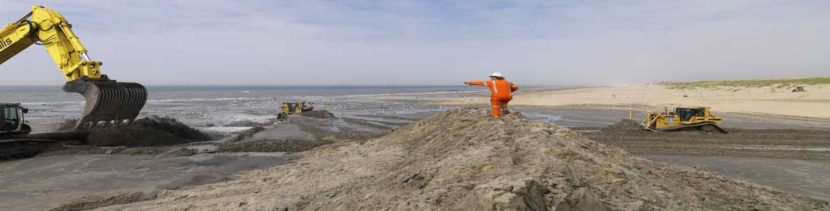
x: 151, y: 131
x: 146, y: 136
x: 626, y: 125
x: 289, y: 136
x: 320, y: 114
x: 462, y: 160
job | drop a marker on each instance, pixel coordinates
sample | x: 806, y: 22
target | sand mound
x: 463, y: 160
x: 241, y: 123
x: 624, y: 125
x: 319, y: 114
x: 151, y: 131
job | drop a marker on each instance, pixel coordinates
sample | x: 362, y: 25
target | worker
x: 501, y: 92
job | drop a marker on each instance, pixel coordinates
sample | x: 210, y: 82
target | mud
x: 152, y: 131
x: 296, y: 134
x: 462, y: 160
x: 153, y: 136
x: 758, y: 143
x: 319, y: 114
x: 243, y: 123
x: 243, y: 135
x: 77, y: 182
x: 375, y: 125
x: 337, y: 130
x: 272, y: 146
x: 342, y: 136
x: 157, y: 152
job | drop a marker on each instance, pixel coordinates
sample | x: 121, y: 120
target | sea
x: 218, y: 105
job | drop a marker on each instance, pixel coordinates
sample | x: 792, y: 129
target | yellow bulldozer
x: 684, y: 118
x: 294, y: 108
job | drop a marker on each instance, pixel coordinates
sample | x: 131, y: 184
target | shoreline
x: 758, y: 101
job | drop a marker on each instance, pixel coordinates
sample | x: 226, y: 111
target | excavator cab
x: 11, y: 119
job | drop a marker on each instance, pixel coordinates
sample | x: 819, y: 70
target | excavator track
x: 22, y: 147
x: 108, y: 101
x: 28, y: 145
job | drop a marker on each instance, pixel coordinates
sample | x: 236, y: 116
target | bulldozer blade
x: 720, y: 129
x: 108, y: 101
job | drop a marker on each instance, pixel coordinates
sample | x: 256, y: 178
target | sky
x: 435, y: 42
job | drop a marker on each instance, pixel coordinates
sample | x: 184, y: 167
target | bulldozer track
x: 700, y: 126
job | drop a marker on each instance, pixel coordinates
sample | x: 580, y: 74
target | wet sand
x: 461, y: 159
x: 47, y: 182
x: 187, y: 172
x: 811, y: 178
x: 600, y: 117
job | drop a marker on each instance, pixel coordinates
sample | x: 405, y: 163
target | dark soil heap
x: 463, y: 160
x: 319, y: 114
x: 151, y: 131
x: 625, y: 125
x: 272, y: 145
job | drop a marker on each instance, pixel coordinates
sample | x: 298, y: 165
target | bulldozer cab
x: 11, y: 117
x: 686, y: 114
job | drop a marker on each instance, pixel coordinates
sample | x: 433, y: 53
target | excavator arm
x: 50, y: 29
x: 107, y: 101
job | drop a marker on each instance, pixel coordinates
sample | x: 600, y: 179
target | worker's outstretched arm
x: 475, y: 83
x: 513, y: 87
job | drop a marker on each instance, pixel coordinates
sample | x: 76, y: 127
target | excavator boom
x: 107, y: 100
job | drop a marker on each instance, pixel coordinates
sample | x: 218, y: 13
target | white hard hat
x: 496, y: 74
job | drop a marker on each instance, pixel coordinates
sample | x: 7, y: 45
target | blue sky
x: 409, y: 42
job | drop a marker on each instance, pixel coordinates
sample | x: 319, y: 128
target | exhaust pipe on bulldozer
x: 108, y: 101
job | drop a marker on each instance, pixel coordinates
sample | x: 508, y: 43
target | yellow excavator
x: 684, y: 118
x: 107, y: 101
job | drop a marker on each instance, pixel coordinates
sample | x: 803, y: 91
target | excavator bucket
x: 108, y: 102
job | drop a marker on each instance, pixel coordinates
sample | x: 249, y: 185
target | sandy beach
x: 767, y: 100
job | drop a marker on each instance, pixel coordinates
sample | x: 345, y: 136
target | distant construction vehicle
x: 294, y: 108
x: 687, y: 118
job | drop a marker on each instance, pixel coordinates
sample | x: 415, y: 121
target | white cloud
x: 407, y: 42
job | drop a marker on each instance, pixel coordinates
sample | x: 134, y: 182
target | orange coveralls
x: 501, y: 92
